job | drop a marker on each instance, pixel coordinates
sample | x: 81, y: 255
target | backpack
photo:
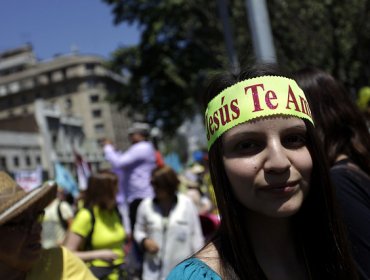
x: 62, y: 221
x: 101, y: 272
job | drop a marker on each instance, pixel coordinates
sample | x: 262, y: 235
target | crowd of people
x: 283, y: 193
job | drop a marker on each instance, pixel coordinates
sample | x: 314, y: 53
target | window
x: 99, y: 128
x: 96, y: 113
x: 28, y: 161
x: 91, y: 83
x: 14, y: 87
x: 3, y: 163
x: 54, y: 139
x: 16, y: 161
x: 38, y: 160
x: 3, y: 90
x: 10, y: 101
x: 94, y: 98
x: 90, y: 66
x: 68, y: 103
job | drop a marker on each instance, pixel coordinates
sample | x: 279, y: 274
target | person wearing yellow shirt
x: 97, y: 235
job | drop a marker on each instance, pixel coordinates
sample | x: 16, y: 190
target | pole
x: 259, y: 23
x: 225, y: 19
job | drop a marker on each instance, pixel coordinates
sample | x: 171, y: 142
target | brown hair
x: 341, y: 126
x: 101, y: 187
x: 165, y: 178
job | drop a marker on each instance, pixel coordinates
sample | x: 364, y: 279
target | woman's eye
x: 247, y: 146
x: 295, y: 141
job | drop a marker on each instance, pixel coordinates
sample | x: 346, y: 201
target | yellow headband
x: 254, y: 98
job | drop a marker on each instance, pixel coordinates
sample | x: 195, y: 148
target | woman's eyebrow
x: 297, y: 127
x: 247, y: 133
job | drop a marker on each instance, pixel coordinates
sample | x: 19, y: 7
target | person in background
x: 167, y: 227
x: 209, y: 222
x: 137, y: 164
x: 58, y: 216
x: 21, y: 253
x: 345, y: 137
x: 193, y: 189
x: 96, y: 234
x: 278, y: 214
x: 158, y: 155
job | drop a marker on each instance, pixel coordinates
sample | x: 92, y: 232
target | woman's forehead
x: 267, y: 124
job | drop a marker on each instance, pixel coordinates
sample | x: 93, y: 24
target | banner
x: 83, y: 171
x: 65, y: 179
x: 29, y: 179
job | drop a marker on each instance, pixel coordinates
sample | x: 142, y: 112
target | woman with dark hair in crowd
x: 96, y: 234
x: 278, y: 216
x: 345, y: 137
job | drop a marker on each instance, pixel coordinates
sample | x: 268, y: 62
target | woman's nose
x: 277, y: 160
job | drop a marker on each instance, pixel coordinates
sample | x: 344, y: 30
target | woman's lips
x: 281, y: 188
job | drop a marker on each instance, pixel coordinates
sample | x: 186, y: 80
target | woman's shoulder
x: 205, y: 265
x: 59, y: 263
x: 84, y: 214
x: 346, y: 173
x: 83, y: 211
x: 193, y: 268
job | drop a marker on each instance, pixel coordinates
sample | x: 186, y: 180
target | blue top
x: 193, y: 268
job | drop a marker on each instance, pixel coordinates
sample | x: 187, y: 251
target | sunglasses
x: 25, y: 222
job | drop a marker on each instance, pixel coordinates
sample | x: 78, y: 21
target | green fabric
x: 108, y: 232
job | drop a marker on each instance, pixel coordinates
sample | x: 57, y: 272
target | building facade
x: 67, y: 96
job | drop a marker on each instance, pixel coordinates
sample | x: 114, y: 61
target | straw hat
x: 14, y: 200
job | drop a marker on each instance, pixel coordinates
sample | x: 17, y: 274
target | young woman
x: 167, y: 227
x: 345, y: 137
x: 278, y: 218
x: 97, y: 235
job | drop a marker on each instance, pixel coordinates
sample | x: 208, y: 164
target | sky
x: 56, y: 27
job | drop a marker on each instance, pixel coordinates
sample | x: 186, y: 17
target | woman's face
x: 268, y: 165
x: 20, y: 241
x: 161, y: 193
x: 110, y: 200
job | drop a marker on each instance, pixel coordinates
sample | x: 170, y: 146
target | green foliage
x: 182, y: 43
x: 330, y: 34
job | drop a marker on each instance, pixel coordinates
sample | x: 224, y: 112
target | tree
x: 329, y: 34
x: 182, y: 43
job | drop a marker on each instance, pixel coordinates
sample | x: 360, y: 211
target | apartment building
x: 74, y: 88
